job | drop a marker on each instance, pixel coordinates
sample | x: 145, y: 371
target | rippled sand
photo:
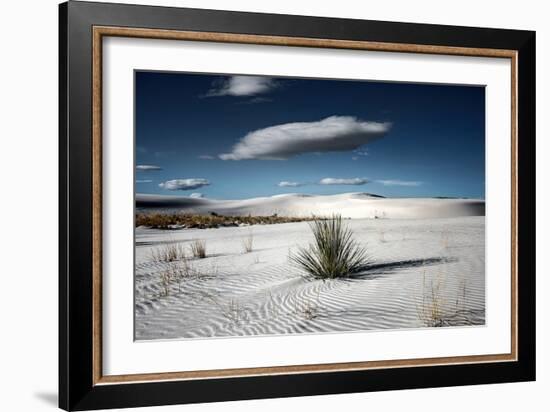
x: 417, y: 264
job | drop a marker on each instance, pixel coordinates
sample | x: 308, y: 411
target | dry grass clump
x: 232, y: 309
x: 235, y: 311
x: 168, y: 252
x: 445, y: 235
x: 434, y: 311
x: 198, y: 249
x: 334, y: 253
x: 248, y: 243
x: 178, y: 272
x: 165, y: 282
x: 181, y: 271
x: 213, y: 220
x: 307, y: 308
x: 175, y: 273
x: 430, y: 311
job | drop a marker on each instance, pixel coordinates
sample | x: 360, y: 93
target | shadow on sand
x: 375, y: 270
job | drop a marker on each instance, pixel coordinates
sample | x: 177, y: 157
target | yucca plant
x: 334, y: 253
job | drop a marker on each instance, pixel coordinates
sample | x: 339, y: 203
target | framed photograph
x: 257, y: 206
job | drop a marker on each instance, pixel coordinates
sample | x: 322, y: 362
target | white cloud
x: 184, y: 184
x: 352, y: 181
x: 280, y: 142
x: 356, y: 181
x: 196, y: 195
x: 290, y: 184
x: 147, y: 168
x: 358, y: 153
x: 399, y: 182
x: 242, y: 86
x: 144, y: 181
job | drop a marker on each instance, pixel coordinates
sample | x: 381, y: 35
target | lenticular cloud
x: 356, y: 181
x: 409, y: 183
x: 280, y: 142
x: 290, y: 184
x: 242, y: 86
x: 148, y: 168
x: 184, y: 184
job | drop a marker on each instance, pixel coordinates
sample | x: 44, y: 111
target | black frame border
x: 76, y: 387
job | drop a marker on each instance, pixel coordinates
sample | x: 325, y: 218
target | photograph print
x: 278, y: 205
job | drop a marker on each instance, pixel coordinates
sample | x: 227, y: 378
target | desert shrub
x: 168, y: 221
x: 155, y: 220
x: 334, y: 253
x: 198, y: 249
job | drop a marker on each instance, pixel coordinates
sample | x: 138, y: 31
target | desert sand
x: 349, y: 205
x: 427, y: 264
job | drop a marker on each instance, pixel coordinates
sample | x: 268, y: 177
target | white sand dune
x: 262, y: 292
x: 349, y: 205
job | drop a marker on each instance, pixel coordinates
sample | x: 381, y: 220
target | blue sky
x: 235, y: 137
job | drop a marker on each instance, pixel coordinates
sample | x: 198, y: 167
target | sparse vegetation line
x: 189, y: 221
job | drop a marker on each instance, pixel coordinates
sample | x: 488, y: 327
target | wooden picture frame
x: 82, y: 384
